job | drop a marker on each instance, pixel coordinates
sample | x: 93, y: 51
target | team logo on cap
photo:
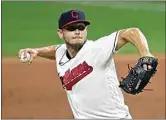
x: 74, y: 14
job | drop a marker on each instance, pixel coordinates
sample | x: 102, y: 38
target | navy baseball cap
x: 72, y: 16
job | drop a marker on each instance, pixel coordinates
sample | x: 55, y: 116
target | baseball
x: 25, y: 57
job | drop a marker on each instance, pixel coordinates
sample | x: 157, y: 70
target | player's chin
x: 77, y: 42
x: 77, y: 45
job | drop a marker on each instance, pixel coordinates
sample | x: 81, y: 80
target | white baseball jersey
x: 90, y: 80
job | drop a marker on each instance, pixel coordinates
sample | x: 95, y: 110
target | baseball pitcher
x: 87, y: 70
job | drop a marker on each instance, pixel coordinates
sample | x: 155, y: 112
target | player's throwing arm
x: 27, y: 55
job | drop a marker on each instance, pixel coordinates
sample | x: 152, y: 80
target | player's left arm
x: 139, y: 75
x: 136, y: 38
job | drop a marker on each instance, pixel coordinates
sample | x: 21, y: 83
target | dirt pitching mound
x: 35, y: 91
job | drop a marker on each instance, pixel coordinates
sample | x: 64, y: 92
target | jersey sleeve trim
x: 115, y: 42
x: 57, y: 47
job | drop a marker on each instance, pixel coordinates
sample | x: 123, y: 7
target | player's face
x: 75, y: 34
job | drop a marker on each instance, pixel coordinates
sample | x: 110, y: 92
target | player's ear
x: 86, y: 27
x: 60, y: 33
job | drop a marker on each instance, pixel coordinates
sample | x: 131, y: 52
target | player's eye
x: 81, y: 27
x: 73, y: 28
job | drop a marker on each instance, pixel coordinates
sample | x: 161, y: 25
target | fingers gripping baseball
x: 27, y: 55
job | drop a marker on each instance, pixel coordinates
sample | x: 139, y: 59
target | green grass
x: 34, y: 24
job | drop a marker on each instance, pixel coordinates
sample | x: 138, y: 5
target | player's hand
x: 33, y: 54
x: 146, y: 66
x: 139, y: 75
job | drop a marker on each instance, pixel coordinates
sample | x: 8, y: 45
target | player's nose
x: 77, y: 31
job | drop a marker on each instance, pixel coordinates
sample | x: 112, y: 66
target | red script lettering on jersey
x: 73, y: 76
